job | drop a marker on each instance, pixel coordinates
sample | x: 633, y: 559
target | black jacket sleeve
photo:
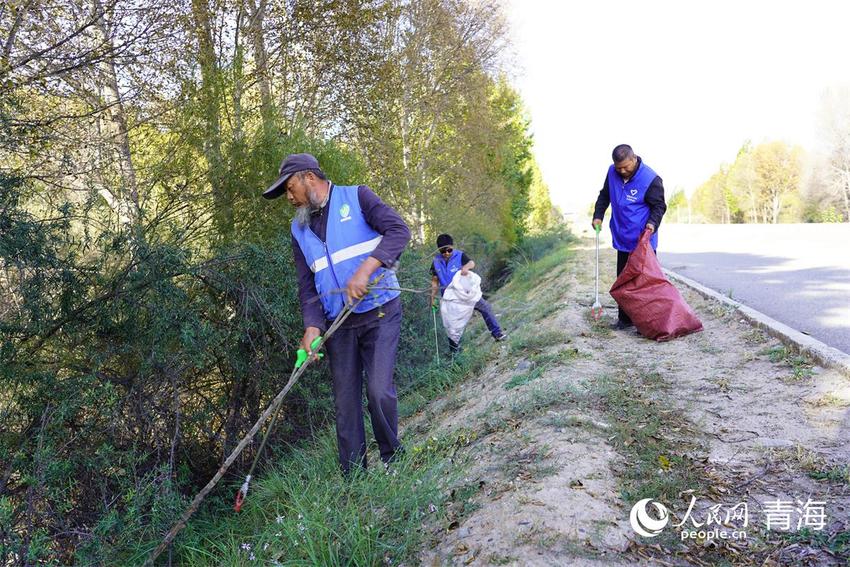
x: 655, y: 199
x: 602, y: 201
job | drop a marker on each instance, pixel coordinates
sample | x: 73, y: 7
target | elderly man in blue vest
x: 447, y: 262
x: 636, y: 195
x: 343, y: 238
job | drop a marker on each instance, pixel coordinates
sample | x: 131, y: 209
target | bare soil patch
x: 571, y: 423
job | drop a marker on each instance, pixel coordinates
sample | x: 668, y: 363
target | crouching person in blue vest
x: 636, y: 195
x: 447, y: 262
x: 343, y: 238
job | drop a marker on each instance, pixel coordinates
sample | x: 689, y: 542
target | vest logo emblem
x: 344, y: 211
x: 632, y: 191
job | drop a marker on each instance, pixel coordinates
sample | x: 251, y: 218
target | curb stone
x: 821, y: 353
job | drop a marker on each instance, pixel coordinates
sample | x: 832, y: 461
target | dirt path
x: 571, y: 423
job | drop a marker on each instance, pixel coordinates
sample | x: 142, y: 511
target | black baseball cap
x: 293, y: 163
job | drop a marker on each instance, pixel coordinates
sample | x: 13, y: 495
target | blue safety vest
x: 629, y: 211
x: 446, y: 269
x: 349, y: 240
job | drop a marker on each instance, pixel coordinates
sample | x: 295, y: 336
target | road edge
x: 823, y: 354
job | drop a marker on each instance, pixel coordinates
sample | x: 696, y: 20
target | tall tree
x: 761, y: 186
x: 742, y: 181
x: 677, y: 206
x: 434, y: 54
x: 834, y: 133
x: 709, y: 200
x: 133, y: 358
x: 777, y: 169
x: 210, y: 110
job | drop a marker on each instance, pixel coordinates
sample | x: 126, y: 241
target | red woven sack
x: 653, y: 303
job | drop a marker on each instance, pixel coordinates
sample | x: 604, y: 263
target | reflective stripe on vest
x: 346, y: 254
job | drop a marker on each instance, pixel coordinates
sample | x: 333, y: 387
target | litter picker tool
x: 301, y: 364
x: 596, y: 309
x: 300, y: 359
x: 436, y: 340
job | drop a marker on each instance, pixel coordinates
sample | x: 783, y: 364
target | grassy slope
x: 304, y: 513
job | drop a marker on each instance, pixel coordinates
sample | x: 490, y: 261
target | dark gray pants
x: 489, y: 317
x: 622, y: 260
x: 370, y: 348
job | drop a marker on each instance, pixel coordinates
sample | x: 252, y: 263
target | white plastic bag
x: 458, y: 303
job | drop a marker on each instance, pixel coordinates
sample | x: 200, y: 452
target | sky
x: 684, y: 83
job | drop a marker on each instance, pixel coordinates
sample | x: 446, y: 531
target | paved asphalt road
x: 798, y: 274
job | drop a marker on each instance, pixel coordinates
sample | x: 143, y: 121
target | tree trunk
x: 776, y: 206
x: 238, y: 74
x: 20, y: 12
x: 256, y: 21
x: 125, y: 202
x: 210, y: 101
x: 405, y: 161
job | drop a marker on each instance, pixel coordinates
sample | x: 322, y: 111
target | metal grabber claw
x: 596, y: 309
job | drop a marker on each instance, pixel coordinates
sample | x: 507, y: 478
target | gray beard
x: 302, y: 214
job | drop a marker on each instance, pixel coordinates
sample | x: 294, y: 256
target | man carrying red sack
x: 636, y: 195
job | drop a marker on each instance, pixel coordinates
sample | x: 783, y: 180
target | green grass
x: 500, y: 559
x: 305, y: 513
x: 524, y: 378
x: 839, y: 474
x: 527, y: 276
x: 837, y: 543
x: 661, y: 455
x: 535, y: 340
x: 814, y: 464
x: 301, y: 511
x: 529, y: 404
x: 437, y: 379
x: 755, y: 337
x: 801, y: 366
x: 540, y: 363
x: 561, y: 421
x: 600, y: 328
x: 660, y: 462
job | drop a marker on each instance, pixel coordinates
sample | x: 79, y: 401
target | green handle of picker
x: 302, y: 354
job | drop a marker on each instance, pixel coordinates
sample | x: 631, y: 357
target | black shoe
x: 501, y: 337
x: 389, y: 467
x: 620, y: 325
